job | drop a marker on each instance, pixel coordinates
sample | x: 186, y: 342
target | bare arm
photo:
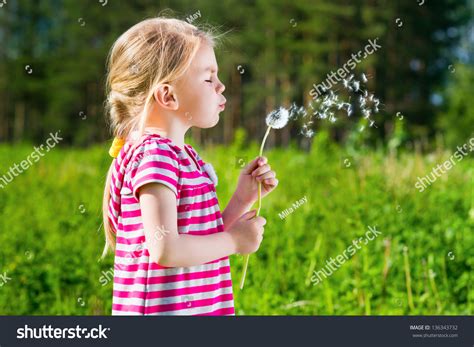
x: 165, y: 245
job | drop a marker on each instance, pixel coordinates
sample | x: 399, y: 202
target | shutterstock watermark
x: 107, y: 276
x: 333, y: 78
x: 15, y: 170
x: 48, y: 332
x: 423, y: 182
x: 328, y: 270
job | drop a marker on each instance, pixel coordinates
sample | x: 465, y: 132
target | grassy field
x: 421, y: 264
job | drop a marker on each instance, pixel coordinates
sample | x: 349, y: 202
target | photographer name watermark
x: 297, y: 204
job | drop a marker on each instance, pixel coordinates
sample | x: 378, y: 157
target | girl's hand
x: 256, y: 171
x: 247, y: 232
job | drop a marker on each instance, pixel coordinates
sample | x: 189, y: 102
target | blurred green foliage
x: 51, y: 238
x: 53, y: 55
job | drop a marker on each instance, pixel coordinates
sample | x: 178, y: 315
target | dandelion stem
x: 244, y: 273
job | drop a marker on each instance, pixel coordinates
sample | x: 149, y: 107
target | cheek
x: 205, y: 98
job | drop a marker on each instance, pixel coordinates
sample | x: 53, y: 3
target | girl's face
x: 199, y: 91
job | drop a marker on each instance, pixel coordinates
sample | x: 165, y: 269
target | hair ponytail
x: 108, y: 228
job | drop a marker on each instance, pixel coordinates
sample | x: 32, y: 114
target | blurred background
x: 52, y: 78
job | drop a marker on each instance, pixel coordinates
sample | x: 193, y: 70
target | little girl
x: 161, y: 213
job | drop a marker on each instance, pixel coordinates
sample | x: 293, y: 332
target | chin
x: 212, y: 122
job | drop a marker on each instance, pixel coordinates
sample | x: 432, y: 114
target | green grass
x: 51, y: 239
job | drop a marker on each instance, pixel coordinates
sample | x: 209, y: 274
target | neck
x: 169, y: 126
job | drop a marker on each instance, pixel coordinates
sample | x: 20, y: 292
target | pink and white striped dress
x: 140, y: 286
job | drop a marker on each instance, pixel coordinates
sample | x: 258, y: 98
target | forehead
x: 204, y: 60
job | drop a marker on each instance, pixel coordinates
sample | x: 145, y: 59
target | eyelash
x: 209, y: 81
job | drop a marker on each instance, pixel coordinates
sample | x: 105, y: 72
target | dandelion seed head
x: 278, y: 118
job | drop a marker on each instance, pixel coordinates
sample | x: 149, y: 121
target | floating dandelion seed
x: 349, y: 110
x: 356, y: 85
x: 307, y: 133
x: 326, y: 103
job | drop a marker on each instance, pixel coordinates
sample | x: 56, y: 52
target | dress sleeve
x: 154, y: 162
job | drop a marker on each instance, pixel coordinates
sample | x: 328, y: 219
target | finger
x: 249, y: 215
x: 261, y: 170
x: 272, y: 182
x: 258, y: 161
x: 266, y: 175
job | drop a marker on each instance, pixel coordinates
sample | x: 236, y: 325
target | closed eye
x: 209, y: 81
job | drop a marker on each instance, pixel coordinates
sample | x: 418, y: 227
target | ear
x: 165, y: 96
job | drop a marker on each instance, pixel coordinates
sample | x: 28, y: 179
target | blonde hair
x: 153, y: 51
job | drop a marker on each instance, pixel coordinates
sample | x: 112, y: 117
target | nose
x: 220, y: 88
